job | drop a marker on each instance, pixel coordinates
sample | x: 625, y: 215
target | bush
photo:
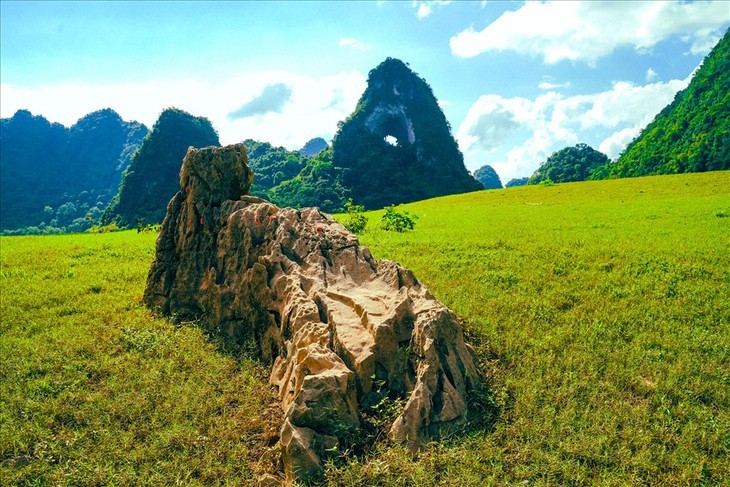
x: 393, y: 220
x: 356, y: 220
x: 112, y: 227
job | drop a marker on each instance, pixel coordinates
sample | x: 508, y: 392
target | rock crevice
x: 340, y: 328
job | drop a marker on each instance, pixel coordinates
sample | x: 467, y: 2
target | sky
x: 517, y: 80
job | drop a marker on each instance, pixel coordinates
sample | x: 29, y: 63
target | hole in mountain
x: 390, y: 140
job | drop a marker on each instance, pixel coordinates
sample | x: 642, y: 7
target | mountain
x: 313, y: 147
x: 271, y: 165
x: 397, y: 145
x: 152, y: 178
x: 692, y: 134
x: 516, y: 182
x: 488, y: 177
x: 56, y: 179
x: 569, y: 164
x: 319, y: 183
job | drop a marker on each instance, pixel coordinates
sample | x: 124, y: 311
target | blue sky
x: 516, y: 80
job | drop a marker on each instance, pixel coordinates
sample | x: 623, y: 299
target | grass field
x: 600, y: 310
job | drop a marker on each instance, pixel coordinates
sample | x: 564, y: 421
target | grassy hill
x: 599, y: 309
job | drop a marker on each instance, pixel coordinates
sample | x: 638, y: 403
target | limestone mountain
x: 151, y: 179
x: 692, y: 134
x: 397, y: 145
x: 271, y: 165
x: 516, y: 182
x: 57, y: 179
x: 569, y: 164
x: 313, y: 147
x: 488, y: 177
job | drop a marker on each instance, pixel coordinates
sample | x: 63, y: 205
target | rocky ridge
x: 342, y: 330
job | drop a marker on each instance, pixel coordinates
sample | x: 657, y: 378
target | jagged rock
x: 341, y: 329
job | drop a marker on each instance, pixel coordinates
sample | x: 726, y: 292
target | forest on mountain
x: 516, y: 182
x: 488, y: 177
x: 569, y: 165
x: 56, y: 179
x: 692, y: 134
x: 271, y: 165
x: 153, y: 176
x: 318, y: 184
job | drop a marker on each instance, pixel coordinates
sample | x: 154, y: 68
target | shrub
x: 393, y: 220
x: 112, y: 227
x: 356, y: 219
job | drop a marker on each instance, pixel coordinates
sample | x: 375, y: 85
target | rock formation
x: 341, y: 329
x: 397, y: 145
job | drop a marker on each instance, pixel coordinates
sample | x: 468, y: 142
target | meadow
x: 599, y: 310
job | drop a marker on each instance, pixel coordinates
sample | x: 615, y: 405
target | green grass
x: 98, y: 391
x: 601, y: 312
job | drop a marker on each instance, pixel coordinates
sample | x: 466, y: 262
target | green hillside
x: 692, y: 134
x: 152, y: 178
x: 599, y: 311
x: 55, y: 179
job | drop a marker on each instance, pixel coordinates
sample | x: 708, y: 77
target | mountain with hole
x: 397, y: 146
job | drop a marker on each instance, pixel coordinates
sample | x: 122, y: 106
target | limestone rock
x: 341, y: 329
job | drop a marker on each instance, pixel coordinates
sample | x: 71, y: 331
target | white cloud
x: 355, y: 44
x: 546, y: 85
x: 314, y: 105
x: 617, y: 141
x: 514, y: 135
x: 650, y: 75
x: 587, y: 31
x: 424, y: 9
